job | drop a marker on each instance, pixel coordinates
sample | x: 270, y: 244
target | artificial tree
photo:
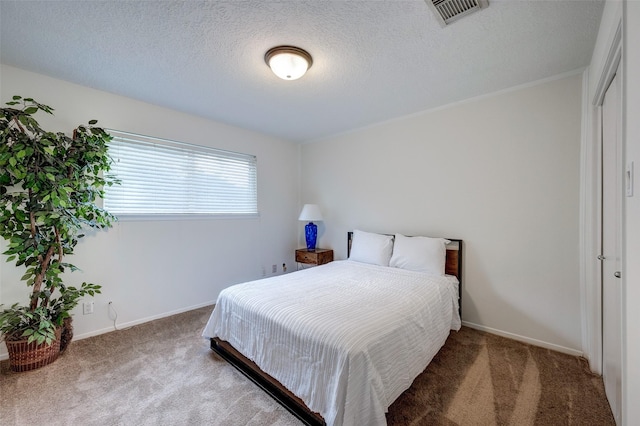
x: 49, y: 183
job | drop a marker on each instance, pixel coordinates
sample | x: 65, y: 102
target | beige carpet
x: 482, y: 379
x: 163, y: 373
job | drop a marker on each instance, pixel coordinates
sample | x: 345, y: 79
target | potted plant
x: 49, y: 183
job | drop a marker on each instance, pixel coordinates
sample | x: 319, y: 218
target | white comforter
x: 346, y: 337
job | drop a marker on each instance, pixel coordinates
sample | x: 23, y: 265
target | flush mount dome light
x: 288, y: 62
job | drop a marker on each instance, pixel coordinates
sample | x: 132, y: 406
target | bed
x: 336, y: 344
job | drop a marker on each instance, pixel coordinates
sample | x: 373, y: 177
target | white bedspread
x: 346, y: 337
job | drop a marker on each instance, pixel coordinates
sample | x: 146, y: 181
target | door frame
x: 591, y: 201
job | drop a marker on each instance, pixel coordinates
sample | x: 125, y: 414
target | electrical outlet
x: 87, y: 308
x: 274, y: 269
x: 284, y: 267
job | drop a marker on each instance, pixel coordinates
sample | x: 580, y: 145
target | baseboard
x: 139, y: 321
x: 4, y: 355
x: 524, y: 339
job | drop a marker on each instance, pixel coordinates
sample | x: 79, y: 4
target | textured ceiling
x: 373, y: 60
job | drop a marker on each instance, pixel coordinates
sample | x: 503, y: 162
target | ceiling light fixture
x: 288, y: 62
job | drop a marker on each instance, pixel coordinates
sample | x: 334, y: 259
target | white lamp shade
x: 310, y: 213
x: 288, y: 66
x: 288, y: 62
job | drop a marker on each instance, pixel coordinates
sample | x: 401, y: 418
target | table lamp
x: 310, y: 212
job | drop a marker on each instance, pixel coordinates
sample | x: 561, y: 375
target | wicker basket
x: 25, y: 356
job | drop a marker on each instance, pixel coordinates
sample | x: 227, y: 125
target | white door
x: 612, y: 187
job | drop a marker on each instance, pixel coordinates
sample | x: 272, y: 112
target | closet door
x: 612, y: 187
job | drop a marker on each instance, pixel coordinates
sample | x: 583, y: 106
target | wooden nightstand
x: 317, y: 257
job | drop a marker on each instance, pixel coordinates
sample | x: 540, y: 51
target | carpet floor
x: 163, y: 373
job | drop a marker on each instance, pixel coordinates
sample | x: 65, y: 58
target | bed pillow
x: 423, y: 254
x: 368, y: 247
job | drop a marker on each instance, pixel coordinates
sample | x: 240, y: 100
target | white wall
x: 154, y: 268
x: 631, y: 132
x: 500, y: 172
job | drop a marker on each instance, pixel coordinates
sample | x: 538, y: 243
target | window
x: 162, y: 177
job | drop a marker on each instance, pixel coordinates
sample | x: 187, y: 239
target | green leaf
x: 31, y: 110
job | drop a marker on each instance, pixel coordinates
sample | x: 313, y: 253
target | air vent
x: 448, y: 11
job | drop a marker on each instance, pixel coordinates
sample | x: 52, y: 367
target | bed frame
x: 453, y: 266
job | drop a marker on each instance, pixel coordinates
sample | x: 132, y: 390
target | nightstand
x: 317, y: 257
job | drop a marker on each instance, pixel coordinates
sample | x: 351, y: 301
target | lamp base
x: 311, y: 233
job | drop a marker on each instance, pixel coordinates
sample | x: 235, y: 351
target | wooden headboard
x: 452, y: 266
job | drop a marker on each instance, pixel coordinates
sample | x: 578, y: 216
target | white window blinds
x: 162, y: 177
